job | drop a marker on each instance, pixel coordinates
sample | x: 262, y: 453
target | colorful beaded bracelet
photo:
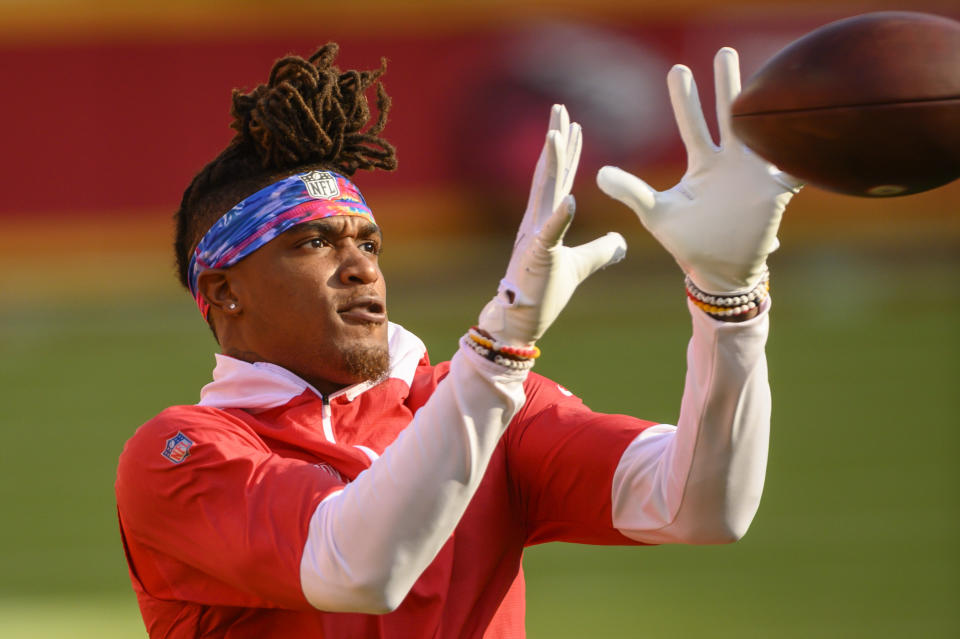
x: 497, y: 358
x: 521, y: 352
x: 726, y: 311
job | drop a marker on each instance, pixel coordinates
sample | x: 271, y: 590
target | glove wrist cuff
x: 726, y: 286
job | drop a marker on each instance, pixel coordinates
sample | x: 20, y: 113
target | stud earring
x: 232, y: 305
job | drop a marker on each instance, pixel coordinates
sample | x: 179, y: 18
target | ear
x: 214, y: 286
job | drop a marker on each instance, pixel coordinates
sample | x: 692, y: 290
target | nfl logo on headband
x: 321, y: 185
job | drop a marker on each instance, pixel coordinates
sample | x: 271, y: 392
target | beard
x: 366, y: 363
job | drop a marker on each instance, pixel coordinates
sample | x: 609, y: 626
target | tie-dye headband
x: 268, y: 213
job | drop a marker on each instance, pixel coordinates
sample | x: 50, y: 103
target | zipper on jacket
x: 326, y: 419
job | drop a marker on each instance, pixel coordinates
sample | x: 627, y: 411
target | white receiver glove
x: 720, y: 222
x: 543, y: 273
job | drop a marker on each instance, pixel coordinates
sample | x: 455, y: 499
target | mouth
x: 366, y: 309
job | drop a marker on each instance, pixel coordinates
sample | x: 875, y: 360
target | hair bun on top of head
x: 310, y: 113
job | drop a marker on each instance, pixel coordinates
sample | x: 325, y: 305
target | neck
x: 325, y: 387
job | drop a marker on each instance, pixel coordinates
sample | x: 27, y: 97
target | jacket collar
x: 259, y: 386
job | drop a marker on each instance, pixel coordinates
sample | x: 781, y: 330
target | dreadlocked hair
x: 309, y: 115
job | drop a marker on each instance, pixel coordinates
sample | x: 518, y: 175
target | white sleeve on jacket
x: 370, y: 542
x: 700, y: 482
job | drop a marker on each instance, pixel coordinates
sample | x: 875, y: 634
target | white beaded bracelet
x: 757, y: 294
x: 729, y: 305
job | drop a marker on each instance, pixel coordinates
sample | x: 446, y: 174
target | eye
x: 371, y: 247
x: 316, y: 242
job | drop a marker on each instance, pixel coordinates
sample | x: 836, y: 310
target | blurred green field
x: 856, y: 536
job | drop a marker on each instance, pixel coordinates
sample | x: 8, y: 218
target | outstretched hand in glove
x: 543, y: 273
x: 720, y: 221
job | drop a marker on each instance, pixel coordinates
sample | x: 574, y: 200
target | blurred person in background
x: 332, y: 482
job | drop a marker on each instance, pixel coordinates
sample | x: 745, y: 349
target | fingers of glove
x: 559, y: 118
x: 688, y: 112
x: 539, y: 174
x: 598, y: 254
x: 726, y: 78
x: 571, y: 159
x: 559, y: 130
x: 562, y: 156
x: 557, y: 224
x: 559, y: 122
x: 550, y: 195
x: 629, y: 189
x: 543, y: 188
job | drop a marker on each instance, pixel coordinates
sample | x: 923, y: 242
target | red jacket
x: 214, y: 505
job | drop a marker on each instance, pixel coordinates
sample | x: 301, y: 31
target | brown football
x: 867, y: 106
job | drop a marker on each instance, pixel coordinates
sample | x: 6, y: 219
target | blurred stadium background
x: 110, y: 107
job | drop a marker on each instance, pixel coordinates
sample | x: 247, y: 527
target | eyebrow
x: 321, y: 226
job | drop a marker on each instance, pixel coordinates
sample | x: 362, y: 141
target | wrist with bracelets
x: 729, y: 306
x: 515, y: 357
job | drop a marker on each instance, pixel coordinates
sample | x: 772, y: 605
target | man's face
x: 313, y: 300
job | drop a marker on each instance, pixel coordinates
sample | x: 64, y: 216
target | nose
x: 358, y: 267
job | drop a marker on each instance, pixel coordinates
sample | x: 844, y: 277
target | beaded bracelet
x: 520, y: 352
x: 496, y: 357
x: 756, y: 294
x: 729, y: 305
